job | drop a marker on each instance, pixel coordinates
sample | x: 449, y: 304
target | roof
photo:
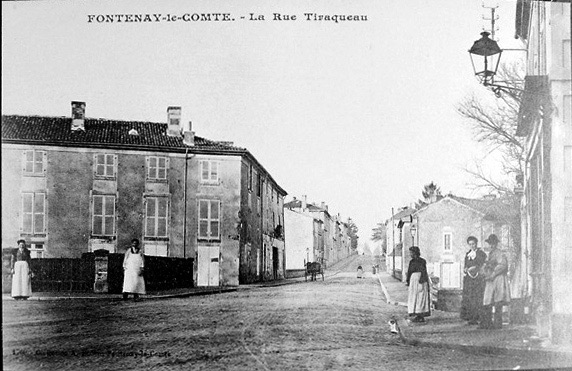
x: 496, y: 208
x: 491, y: 209
x: 403, y: 213
x: 297, y: 204
x: 104, y: 133
x: 101, y: 132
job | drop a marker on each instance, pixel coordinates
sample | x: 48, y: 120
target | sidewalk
x: 448, y: 330
x: 153, y: 295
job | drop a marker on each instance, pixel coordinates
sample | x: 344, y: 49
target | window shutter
x: 44, y: 162
x: 94, y: 167
x: 24, y: 158
x: 148, y: 166
x: 115, y: 166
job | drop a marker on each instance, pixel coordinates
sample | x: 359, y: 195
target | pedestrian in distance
x: 473, y: 282
x: 21, y: 272
x: 497, y: 291
x: 133, y: 269
x: 359, y: 271
x: 418, y: 302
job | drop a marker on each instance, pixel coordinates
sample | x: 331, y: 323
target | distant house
x: 399, y: 240
x: 72, y: 185
x: 314, y: 235
x: 443, y: 227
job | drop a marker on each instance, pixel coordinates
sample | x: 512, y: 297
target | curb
x: 119, y: 298
x: 473, y: 349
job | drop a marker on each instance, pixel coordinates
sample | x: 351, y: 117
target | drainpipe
x: 185, y: 203
x: 393, y: 241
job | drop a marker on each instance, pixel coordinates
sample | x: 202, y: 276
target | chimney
x: 78, y: 116
x: 189, y: 136
x: 174, y: 121
x: 304, y: 202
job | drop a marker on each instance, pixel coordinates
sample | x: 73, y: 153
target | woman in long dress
x: 473, y: 282
x: 418, y: 303
x: 21, y: 273
x: 497, y: 290
x: 133, y: 266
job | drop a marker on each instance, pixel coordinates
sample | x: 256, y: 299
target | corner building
x: 73, y: 185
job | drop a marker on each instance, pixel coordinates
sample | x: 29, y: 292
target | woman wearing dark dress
x: 473, y: 282
x: 418, y: 302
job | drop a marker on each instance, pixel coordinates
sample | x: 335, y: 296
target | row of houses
x: 72, y: 185
x: 315, y: 234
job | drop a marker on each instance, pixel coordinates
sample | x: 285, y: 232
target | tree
x: 493, y: 119
x: 431, y: 192
x: 379, y: 234
x: 352, y: 232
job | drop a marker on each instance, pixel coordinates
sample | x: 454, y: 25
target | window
x: 209, y: 219
x: 209, y: 171
x: 156, y: 215
x: 103, y: 223
x: 37, y: 250
x: 450, y: 275
x: 105, y: 165
x: 34, y: 163
x: 34, y: 213
x: 447, y: 241
x: 259, y: 185
x: 250, y: 177
x: 157, y: 168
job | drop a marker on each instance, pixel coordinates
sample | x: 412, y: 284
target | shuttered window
x: 157, y: 168
x: 105, y: 165
x: 209, y: 219
x: 156, y: 217
x: 210, y: 171
x: 34, y: 213
x: 103, y: 216
x: 34, y: 163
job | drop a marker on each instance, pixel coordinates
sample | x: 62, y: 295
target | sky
x: 357, y: 114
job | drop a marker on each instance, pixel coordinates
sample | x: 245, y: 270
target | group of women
x: 485, y: 285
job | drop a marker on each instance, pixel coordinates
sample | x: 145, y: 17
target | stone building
x: 72, y: 185
x: 545, y: 124
x: 314, y: 235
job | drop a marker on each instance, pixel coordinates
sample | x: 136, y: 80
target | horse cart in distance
x: 313, y: 269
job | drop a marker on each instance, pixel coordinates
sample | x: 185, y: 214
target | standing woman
x: 133, y: 265
x: 21, y: 273
x: 473, y: 282
x: 418, y: 303
x: 497, y: 290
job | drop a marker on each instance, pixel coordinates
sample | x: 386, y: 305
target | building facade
x: 73, y: 185
x: 545, y: 123
x: 309, y: 223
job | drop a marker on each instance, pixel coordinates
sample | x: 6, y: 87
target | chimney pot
x: 174, y: 121
x: 78, y: 116
x: 189, y: 138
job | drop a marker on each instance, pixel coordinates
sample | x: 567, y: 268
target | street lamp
x: 413, y: 231
x: 485, y: 57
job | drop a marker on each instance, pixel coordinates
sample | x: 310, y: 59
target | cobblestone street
x: 336, y: 324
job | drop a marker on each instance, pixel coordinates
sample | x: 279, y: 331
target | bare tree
x: 494, y: 123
